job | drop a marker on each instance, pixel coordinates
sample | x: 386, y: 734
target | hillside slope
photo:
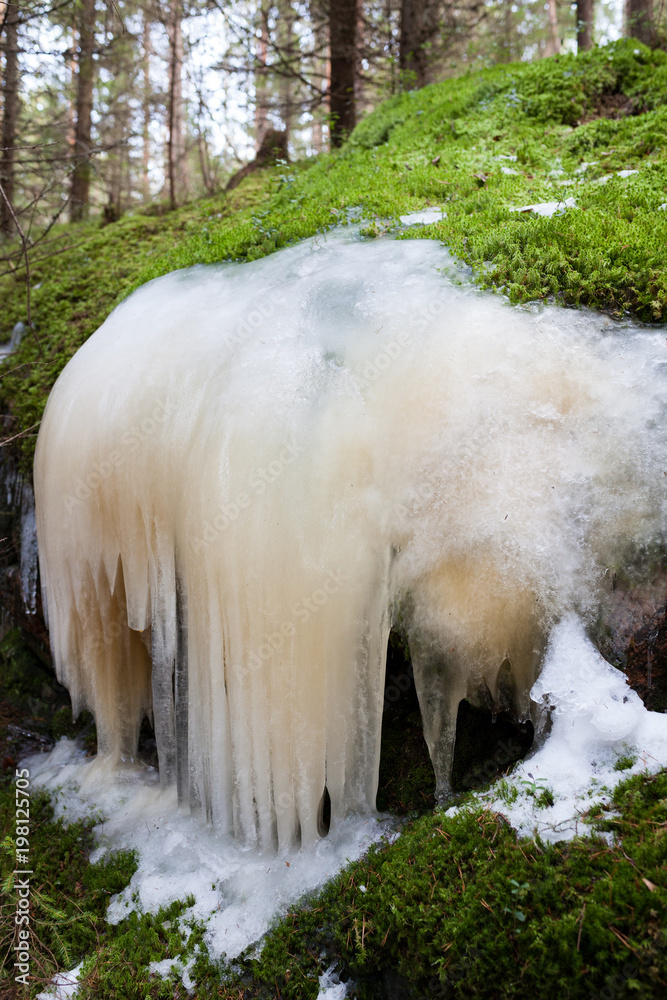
x: 457, y: 906
x: 586, y: 131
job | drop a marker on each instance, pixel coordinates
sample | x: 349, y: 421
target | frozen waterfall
x: 251, y: 470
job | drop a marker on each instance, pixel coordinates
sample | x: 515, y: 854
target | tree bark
x: 176, y: 137
x: 553, y: 43
x: 343, y: 18
x: 146, y: 110
x: 10, y: 107
x: 585, y: 19
x: 80, y: 190
x: 419, y: 26
x: 639, y: 21
x: 287, y: 102
x: 261, y: 93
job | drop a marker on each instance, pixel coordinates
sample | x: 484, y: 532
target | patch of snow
x: 331, y: 987
x: 505, y: 156
x: 509, y: 172
x: 583, y: 167
x: 175, y: 967
x: 424, y: 218
x: 238, y: 892
x: 663, y: 207
x: 547, y: 208
x: 64, y: 986
x: 620, y: 173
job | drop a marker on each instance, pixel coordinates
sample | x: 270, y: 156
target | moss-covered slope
x: 481, y: 146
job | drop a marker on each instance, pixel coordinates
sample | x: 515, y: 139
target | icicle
x: 29, y: 559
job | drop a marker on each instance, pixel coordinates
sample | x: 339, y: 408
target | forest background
x: 115, y: 105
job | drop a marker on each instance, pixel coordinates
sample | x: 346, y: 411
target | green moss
x: 68, y: 896
x: 545, y: 799
x: 457, y: 906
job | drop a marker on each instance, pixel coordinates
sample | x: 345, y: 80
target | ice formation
x: 596, y: 722
x: 237, y: 893
x: 251, y: 470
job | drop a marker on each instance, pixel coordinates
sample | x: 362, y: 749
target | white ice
x: 619, y: 173
x: 424, y: 218
x: 547, y: 208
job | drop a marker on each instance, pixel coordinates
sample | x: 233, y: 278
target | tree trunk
x: 80, y: 190
x: 10, y: 105
x: 553, y: 43
x: 639, y: 21
x: 419, y: 26
x: 146, y: 110
x: 585, y: 19
x: 343, y: 17
x: 286, y: 90
x: 508, y: 47
x: 204, y: 166
x: 176, y: 137
x: 261, y: 90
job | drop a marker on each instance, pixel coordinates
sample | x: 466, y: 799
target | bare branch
x: 24, y: 244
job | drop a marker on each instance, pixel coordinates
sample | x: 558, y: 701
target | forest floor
x: 553, y: 181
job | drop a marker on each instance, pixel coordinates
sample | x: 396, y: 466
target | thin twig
x: 26, y: 364
x: 20, y: 434
x: 24, y: 243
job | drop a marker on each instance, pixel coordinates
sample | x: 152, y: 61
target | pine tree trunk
x: 343, y: 17
x: 419, y: 26
x: 10, y: 105
x: 176, y: 137
x: 261, y: 96
x: 286, y: 82
x: 553, y: 43
x: 507, y: 32
x: 80, y: 190
x: 585, y: 19
x: 639, y: 21
x: 146, y: 110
